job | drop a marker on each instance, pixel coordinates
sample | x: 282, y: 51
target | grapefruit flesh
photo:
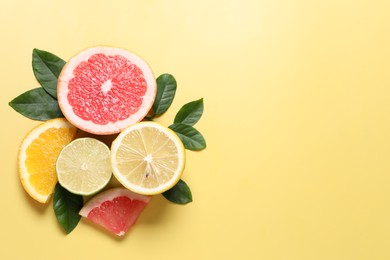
x: 116, y: 209
x: 102, y: 90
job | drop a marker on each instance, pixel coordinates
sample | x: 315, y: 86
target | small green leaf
x: 47, y: 67
x: 36, y: 104
x: 192, y: 139
x: 179, y: 194
x: 166, y: 90
x: 66, y: 207
x: 190, y: 113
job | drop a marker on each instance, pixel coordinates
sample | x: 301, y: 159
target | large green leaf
x: 47, y: 67
x: 66, y: 207
x: 166, y: 90
x: 190, y: 113
x: 192, y: 139
x: 36, y: 104
x: 179, y: 194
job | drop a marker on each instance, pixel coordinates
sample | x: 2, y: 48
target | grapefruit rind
x: 110, y: 128
x: 137, y: 188
x: 22, y: 156
x: 110, y: 194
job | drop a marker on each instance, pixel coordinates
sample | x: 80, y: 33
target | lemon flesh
x: 147, y: 158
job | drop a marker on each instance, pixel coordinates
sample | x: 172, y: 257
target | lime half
x: 84, y: 167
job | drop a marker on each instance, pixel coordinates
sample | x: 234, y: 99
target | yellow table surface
x: 297, y: 123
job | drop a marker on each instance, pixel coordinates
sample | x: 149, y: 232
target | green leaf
x: 66, y: 207
x: 192, y: 139
x: 36, y: 104
x: 166, y: 90
x: 179, y: 194
x: 190, y: 113
x: 47, y: 67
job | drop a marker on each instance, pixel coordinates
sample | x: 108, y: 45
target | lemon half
x: 147, y: 158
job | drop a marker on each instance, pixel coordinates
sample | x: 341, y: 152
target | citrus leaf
x: 36, y: 104
x: 66, y: 207
x: 47, y: 67
x: 166, y: 90
x: 190, y: 113
x: 179, y: 194
x: 192, y: 139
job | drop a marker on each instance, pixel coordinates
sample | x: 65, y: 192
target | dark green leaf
x: 191, y: 138
x: 66, y: 206
x: 47, y: 67
x: 36, y: 104
x: 166, y: 90
x: 179, y: 194
x: 190, y: 113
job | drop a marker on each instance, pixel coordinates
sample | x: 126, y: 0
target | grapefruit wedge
x: 103, y: 90
x: 116, y: 209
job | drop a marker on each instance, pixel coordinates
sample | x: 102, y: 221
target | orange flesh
x: 41, y: 157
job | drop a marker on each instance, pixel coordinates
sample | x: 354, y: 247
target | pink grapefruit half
x: 115, y: 209
x: 103, y: 90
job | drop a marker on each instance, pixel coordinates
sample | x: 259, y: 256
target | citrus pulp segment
x: 115, y: 209
x: 147, y: 158
x: 84, y: 167
x: 102, y: 90
x: 37, y: 156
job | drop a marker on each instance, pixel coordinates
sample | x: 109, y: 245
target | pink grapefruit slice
x: 116, y: 209
x: 103, y: 90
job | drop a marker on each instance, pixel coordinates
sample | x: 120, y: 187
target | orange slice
x: 38, y: 154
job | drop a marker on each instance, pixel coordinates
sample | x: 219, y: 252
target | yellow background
x: 297, y: 122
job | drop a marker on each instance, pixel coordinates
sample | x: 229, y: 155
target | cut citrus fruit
x: 84, y: 167
x: 37, y: 156
x: 102, y: 90
x: 115, y: 209
x: 147, y: 158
